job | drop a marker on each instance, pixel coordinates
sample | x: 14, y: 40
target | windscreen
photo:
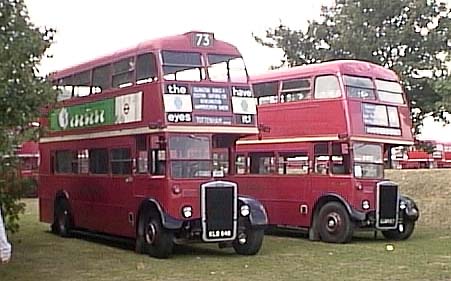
x: 190, y: 156
x: 368, y: 160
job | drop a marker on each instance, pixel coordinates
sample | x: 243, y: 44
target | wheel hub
x: 242, y: 238
x: 333, y: 222
x: 150, y: 233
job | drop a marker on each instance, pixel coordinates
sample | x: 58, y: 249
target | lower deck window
x: 121, y: 163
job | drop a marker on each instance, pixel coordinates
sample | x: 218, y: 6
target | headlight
x: 402, y: 205
x: 365, y: 204
x: 187, y: 211
x: 245, y: 210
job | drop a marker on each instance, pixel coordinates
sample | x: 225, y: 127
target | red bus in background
x: 417, y: 158
x: 141, y: 142
x: 28, y: 154
x: 318, y: 161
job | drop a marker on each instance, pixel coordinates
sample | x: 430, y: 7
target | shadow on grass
x: 358, y: 237
x: 128, y: 244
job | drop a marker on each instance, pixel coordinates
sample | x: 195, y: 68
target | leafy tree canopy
x: 22, y: 94
x: 411, y: 37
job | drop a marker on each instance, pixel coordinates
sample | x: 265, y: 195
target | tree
x: 22, y: 94
x: 411, y: 37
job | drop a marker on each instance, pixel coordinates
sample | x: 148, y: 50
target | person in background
x: 5, y: 247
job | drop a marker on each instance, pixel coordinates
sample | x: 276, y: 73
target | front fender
x: 257, y: 216
x: 151, y: 205
x: 410, y: 209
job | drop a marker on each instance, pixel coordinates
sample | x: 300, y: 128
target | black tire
x: 407, y: 228
x: 334, y: 224
x: 155, y: 240
x: 249, y: 241
x: 62, y: 223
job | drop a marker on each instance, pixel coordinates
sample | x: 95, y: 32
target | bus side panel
x: 298, y: 117
x: 282, y: 201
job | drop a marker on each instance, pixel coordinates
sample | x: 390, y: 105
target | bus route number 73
x: 203, y: 39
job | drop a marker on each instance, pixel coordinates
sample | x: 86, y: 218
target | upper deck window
x: 359, y: 87
x: 101, y: 78
x: 327, y: 87
x: 266, y: 92
x: 225, y: 67
x: 123, y: 71
x: 81, y: 82
x: 182, y: 66
x: 146, y: 70
x: 389, y: 91
x: 295, y: 90
x: 65, y: 87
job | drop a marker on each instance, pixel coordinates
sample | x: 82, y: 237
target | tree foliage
x: 411, y: 37
x: 22, y: 94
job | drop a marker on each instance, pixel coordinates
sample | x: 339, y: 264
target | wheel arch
x: 153, y: 207
x: 332, y: 197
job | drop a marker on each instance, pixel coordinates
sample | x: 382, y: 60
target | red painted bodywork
x: 295, y: 126
x: 105, y: 202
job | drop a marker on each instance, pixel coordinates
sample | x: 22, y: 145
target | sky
x: 87, y: 29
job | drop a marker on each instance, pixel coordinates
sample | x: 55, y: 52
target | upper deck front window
x: 368, y: 160
x: 389, y: 91
x: 327, y: 87
x: 359, y: 87
x: 190, y: 156
x: 182, y: 66
x: 225, y: 67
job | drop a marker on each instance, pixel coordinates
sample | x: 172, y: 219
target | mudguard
x: 411, y: 211
x: 258, y: 216
x: 167, y: 221
x: 353, y: 213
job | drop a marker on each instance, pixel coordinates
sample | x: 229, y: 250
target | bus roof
x: 180, y: 42
x: 350, y: 67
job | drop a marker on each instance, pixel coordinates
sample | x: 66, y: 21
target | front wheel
x: 334, y: 223
x: 404, y: 231
x: 155, y: 240
x: 249, y: 241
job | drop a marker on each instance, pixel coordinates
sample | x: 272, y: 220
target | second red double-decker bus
x: 318, y: 161
x: 140, y: 143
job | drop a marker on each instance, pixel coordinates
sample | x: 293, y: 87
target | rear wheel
x: 155, y: 240
x: 334, y: 223
x: 404, y: 231
x: 62, y: 223
x: 249, y: 241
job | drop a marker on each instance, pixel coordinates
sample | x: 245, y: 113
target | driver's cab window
x: 157, y: 156
x: 321, y: 160
x: 340, y: 159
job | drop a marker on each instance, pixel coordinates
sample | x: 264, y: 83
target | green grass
x: 40, y: 255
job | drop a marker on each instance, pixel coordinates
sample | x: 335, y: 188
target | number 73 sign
x: 202, y: 39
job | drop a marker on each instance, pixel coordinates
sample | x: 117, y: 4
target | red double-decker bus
x: 317, y: 163
x: 140, y: 143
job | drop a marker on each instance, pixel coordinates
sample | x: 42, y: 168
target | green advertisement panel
x: 82, y: 116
